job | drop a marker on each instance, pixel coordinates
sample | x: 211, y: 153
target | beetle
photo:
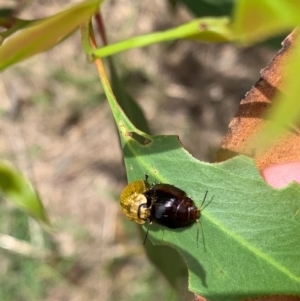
x: 164, y: 204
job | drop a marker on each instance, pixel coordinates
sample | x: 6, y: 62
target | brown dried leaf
x: 251, y: 117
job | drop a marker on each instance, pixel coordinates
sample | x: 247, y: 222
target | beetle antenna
x: 204, y: 198
x: 146, y: 177
x: 203, y: 207
x: 197, y: 236
x: 200, y: 224
x: 202, y: 232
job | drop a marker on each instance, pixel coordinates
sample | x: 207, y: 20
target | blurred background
x: 57, y: 128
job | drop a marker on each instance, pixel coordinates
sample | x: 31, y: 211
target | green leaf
x: 20, y: 193
x: 257, y: 20
x: 251, y: 231
x: 44, y: 34
x: 203, y: 29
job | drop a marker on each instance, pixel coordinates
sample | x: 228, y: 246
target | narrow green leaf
x: 44, y: 34
x: 203, y: 29
x: 19, y: 192
x: 257, y: 20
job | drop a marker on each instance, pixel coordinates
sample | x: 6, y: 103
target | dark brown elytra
x: 171, y: 207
